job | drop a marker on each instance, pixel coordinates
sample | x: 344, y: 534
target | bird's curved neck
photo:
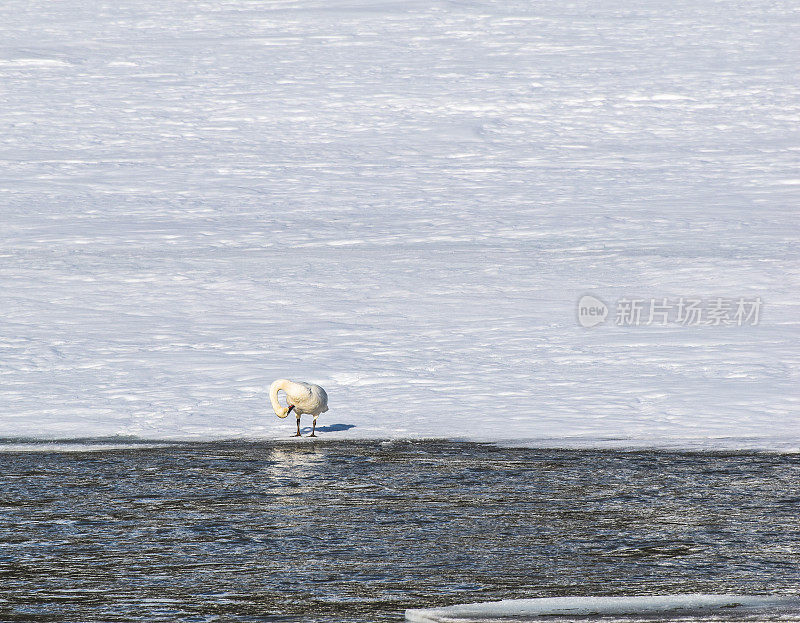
x: 280, y: 384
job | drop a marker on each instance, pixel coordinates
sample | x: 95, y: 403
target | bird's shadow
x: 330, y: 428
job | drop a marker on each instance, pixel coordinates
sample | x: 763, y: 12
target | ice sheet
x: 522, y: 610
x: 402, y: 202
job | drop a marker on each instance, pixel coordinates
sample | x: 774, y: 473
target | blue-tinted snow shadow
x: 330, y: 428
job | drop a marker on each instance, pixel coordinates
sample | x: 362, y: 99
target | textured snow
x: 521, y: 610
x: 402, y: 202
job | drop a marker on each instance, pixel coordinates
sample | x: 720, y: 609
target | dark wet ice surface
x: 362, y: 531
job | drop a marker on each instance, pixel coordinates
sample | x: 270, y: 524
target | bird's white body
x: 301, y: 398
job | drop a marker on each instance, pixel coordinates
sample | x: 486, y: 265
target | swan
x: 301, y: 398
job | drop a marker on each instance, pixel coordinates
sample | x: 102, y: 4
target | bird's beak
x: 290, y: 410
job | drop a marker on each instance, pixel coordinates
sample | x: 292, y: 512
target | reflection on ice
x: 292, y: 462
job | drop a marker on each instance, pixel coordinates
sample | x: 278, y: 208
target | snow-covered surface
x: 521, y: 610
x: 402, y: 202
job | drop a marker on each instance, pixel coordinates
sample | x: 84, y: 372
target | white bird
x: 301, y: 398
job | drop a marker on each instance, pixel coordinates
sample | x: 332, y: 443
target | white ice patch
x: 521, y: 610
x: 32, y: 63
x: 76, y: 447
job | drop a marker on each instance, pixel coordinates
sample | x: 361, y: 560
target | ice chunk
x: 520, y: 610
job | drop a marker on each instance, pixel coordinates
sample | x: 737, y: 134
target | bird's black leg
x: 291, y: 407
x: 313, y: 428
